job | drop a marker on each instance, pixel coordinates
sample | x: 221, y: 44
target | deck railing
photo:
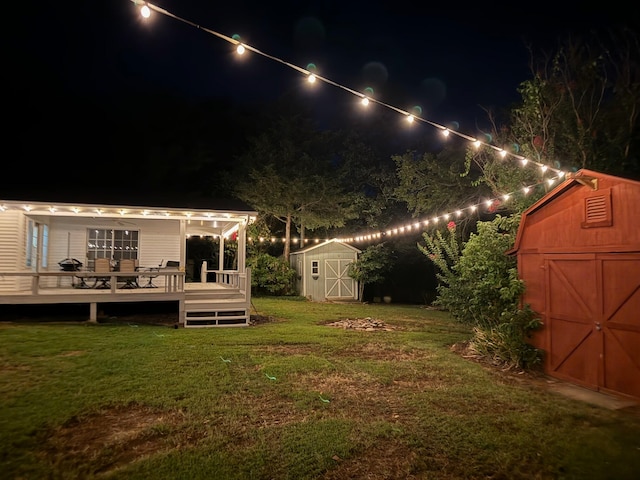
x: 232, y: 278
x: 173, y: 279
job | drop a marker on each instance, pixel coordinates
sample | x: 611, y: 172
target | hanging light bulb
x: 311, y: 78
x: 145, y: 11
x: 240, y: 49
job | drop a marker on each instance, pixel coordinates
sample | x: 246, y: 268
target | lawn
x: 289, y: 398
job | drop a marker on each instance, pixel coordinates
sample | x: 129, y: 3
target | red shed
x: 578, y: 251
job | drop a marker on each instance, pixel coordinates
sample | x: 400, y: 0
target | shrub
x: 372, y: 264
x: 272, y: 275
x: 479, y: 286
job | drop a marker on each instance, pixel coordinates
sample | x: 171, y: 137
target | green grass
x: 288, y: 399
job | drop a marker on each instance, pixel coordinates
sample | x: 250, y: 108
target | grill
x: 70, y: 265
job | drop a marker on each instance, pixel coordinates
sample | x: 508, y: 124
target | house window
x: 315, y: 268
x: 45, y: 246
x: 113, y: 244
x: 32, y: 243
x: 33, y: 240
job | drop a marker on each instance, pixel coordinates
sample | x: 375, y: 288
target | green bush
x: 373, y: 262
x: 271, y: 275
x: 479, y: 286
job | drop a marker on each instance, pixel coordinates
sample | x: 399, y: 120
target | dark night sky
x: 451, y: 58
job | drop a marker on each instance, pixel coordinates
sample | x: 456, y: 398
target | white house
x: 322, y: 271
x: 48, y: 254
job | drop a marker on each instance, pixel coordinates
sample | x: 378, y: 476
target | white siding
x: 158, y: 240
x: 13, y: 251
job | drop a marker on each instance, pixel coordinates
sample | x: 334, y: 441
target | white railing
x: 231, y: 278
x: 173, y: 279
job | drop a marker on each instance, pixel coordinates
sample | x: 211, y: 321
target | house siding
x: 12, y: 254
x: 157, y: 240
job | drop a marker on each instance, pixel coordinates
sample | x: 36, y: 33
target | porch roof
x: 226, y: 218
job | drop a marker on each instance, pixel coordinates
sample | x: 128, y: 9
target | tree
x: 370, y: 267
x: 580, y: 109
x: 286, y: 173
x: 433, y: 183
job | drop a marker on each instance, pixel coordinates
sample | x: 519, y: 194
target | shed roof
x: 580, y: 178
x: 333, y: 240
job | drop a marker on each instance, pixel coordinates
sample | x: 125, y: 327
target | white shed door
x: 336, y: 281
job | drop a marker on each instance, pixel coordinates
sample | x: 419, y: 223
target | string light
x: 312, y: 77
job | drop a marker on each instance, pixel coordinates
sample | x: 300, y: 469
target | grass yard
x: 291, y: 398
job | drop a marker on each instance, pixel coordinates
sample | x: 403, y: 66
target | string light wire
x: 367, y: 99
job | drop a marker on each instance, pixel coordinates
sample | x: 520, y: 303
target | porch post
x: 221, y: 254
x: 242, y: 246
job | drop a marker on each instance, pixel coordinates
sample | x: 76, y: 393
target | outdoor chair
x: 129, y: 265
x: 102, y: 265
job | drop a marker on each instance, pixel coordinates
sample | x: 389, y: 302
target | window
x: 45, y: 246
x: 32, y: 243
x: 315, y: 268
x: 33, y: 240
x: 112, y: 244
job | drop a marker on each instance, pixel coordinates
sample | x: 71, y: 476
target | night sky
x: 452, y: 59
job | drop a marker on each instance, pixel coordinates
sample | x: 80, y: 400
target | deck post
x: 181, y: 312
x: 93, y: 312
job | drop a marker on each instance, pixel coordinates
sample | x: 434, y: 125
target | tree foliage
x: 433, y: 183
x: 370, y: 267
x: 271, y: 275
x: 287, y: 173
x: 579, y: 110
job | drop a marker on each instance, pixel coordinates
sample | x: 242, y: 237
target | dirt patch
x: 109, y: 439
x: 384, y: 460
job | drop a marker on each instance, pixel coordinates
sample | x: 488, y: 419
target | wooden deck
x: 207, y: 304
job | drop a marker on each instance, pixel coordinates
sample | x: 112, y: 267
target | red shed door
x: 593, y: 320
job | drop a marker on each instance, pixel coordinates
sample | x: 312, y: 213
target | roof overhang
x: 201, y: 221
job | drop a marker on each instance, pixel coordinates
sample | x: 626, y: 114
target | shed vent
x: 597, y: 211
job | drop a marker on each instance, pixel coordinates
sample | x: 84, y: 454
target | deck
x: 223, y: 302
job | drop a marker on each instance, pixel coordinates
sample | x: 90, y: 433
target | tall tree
x: 289, y: 176
x: 580, y: 109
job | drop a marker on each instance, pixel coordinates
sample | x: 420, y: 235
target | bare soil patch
x: 109, y: 439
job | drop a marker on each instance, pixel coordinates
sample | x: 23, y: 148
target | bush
x: 479, y: 286
x: 272, y: 275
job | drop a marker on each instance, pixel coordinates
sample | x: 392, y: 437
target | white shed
x: 322, y: 271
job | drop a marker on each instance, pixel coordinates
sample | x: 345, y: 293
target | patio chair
x: 102, y: 265
x: 129, y: 265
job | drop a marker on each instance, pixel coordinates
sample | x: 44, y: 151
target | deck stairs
x: 216, y: 307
